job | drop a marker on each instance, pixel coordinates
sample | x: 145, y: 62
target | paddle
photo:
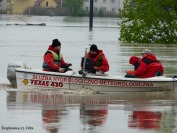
x: 83, y: 69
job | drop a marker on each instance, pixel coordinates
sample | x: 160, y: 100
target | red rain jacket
x: 104, y: 63
x: 149, y: 65
x: 48, y: 58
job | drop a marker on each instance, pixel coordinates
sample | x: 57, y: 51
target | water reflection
x: 145, y: 119
x: 164, y: 121
x: 51, y: 118
x: 153, y: 114
x: 52, y: 110
x: 58, y: 112
x: 93, y: 115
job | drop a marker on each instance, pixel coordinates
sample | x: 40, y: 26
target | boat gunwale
x: 153, y: 79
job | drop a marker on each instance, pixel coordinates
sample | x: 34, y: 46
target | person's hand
x: 67, y: 65
x: 96, y: 68
x: 61, y: 70
x: 129, y: 71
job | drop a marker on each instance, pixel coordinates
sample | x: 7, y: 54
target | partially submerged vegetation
x: 150, y: 21
x: 147, y: 44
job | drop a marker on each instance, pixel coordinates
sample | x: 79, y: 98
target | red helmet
x: 133, y: 60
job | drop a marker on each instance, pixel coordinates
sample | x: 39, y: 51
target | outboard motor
x: 11, y: 74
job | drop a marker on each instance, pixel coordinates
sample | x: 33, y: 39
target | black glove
x: 80, y: 72
x: 66, y: 67
x: 69, y: 64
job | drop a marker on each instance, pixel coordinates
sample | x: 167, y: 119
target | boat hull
x: 104, y: 84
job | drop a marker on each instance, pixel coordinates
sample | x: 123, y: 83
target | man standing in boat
x: 100, y: 61
x: 148, y: 67
x: 53, y: 59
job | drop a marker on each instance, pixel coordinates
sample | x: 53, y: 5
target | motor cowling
x: 11, y: 74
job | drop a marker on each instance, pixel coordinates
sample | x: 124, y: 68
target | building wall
x: 48, y: 4
x: 111, y: 6
x: 19, y: 6
x: 3, y: 5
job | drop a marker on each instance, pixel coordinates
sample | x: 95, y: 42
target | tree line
x: 149, y: 21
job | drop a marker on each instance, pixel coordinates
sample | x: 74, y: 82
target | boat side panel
x: 33, y: 80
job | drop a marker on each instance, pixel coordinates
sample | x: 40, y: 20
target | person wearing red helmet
x: 148, y: 66
x: 135, y: 61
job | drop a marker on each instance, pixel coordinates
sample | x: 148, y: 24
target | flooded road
x: 54, y: 112
x: 29, y: 43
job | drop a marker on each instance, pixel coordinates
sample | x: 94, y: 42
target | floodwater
x: 79, y: 111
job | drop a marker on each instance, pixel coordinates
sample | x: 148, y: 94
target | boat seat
x: 158, y: 73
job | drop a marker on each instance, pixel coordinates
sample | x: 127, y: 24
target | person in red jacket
x: 53, y: 59
x: 135, y: 61
x: 100, y: 61
x: 149, y: 66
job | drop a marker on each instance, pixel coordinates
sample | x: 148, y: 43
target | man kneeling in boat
x: 101, y: 64
x: 147, y: 67
x: 53, y: 59
x: 135, y: 61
